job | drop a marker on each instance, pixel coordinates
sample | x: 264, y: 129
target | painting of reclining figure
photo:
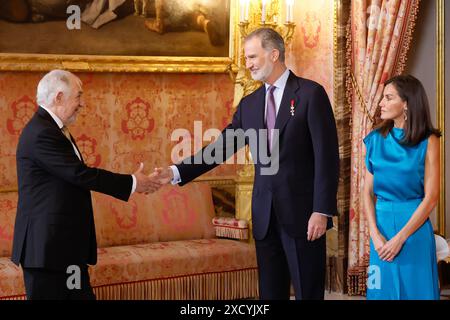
x: 194, y: 28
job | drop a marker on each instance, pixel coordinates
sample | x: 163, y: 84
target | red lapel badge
x: 292, y: 107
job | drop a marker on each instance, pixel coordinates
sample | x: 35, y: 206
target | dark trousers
x: 283, y: 260
x: 46, y: 284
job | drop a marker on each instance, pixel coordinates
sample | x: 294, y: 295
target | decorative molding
x: 337, y: 238
x: 440, y: 106
x: 217, y: 181
x: 34, y: 62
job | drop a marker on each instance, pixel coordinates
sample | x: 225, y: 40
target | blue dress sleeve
x: 368, y: 142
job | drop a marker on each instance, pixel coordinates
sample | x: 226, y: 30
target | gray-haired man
x: 54, y: 227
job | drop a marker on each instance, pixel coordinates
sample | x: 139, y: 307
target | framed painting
x: 119, y: 35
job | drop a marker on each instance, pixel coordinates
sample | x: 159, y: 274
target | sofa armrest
x: 231, y: 228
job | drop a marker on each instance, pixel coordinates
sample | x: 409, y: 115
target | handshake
x: 152, y: 182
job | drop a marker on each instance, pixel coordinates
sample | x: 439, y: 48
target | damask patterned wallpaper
x: 311, y: 53
x: 130, y: 117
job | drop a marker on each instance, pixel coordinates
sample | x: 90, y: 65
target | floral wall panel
x: 128, y: 118
x: 17, y: 104
x: 310, y: 55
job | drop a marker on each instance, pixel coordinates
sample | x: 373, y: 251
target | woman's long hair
x: 418, y: 125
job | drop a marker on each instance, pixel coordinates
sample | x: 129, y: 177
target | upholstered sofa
x: 159, y: 246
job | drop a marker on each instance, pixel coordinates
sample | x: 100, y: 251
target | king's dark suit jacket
x: 54, y: 225
x: 307, y: 178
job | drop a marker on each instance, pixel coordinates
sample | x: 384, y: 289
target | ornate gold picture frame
x: 21, y: 58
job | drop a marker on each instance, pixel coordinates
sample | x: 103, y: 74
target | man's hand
x: 163, y: 175
x: 317, y: 226
x: 146, y: 184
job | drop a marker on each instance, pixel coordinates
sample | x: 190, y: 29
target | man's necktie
x: 66, y: 132
x: 271, y: 115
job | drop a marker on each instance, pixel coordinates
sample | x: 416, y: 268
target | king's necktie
x: 271, y: 115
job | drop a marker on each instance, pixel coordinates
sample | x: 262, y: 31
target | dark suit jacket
x: 307, y: 178
x: 54, y: 225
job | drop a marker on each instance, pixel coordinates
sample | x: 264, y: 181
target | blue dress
x: 398, y: 184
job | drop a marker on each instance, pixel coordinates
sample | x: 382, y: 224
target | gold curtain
x: 379, y: 35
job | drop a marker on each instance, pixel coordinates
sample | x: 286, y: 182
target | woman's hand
x: 378, y: 242
x: 391, y: 248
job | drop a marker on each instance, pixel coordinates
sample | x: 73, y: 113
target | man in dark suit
x: 294, y: 195
x: 54, y: 233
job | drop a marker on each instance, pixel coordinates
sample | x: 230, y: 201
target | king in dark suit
x: 295, y: 198
x: 54, y: 226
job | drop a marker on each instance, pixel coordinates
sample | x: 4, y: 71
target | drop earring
x: 405, y: 114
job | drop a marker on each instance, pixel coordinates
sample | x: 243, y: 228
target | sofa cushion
x: 172, y: 213
x: 11, y: 279
x: 164, y: 260
x: 152, y: 261
x: 8, y: 207
x: 231, y: 228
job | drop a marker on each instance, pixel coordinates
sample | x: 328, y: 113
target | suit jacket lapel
x: 79, y: 152
x: 290, y: 93
x: 260, y: 107
x: 43, y: 113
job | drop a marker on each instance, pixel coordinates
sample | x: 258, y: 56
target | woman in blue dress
x: 401, y: 188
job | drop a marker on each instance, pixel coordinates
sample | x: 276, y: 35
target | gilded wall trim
x: 218, y: 180
x: 34, y: 62
x: 440, y: 105
x: 337, y: 238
